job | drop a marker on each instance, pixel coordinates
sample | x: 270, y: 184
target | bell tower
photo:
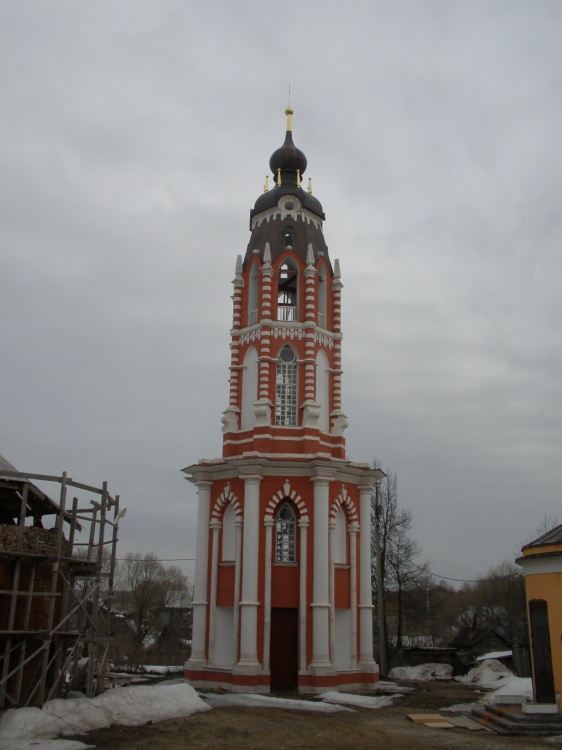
x: 283, y: 558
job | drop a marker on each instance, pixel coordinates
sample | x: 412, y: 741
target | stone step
x: 514, y: 721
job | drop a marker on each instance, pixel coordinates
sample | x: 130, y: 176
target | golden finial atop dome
x: 289, y: 113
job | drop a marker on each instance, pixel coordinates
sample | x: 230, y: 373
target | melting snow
x: 490, y: 674
x: 35, y: 728
x: 422, y: 672
x: 363, y: 701
x: 267, y: 701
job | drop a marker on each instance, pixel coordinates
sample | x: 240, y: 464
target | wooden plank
x: 438, y: 724
x: 467, y: 723
x: 424, y: 718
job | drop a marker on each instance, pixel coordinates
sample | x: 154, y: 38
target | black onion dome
x: 288, y: 164
x: 288, y: 158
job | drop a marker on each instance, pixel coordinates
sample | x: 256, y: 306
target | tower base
x: 223, y: 678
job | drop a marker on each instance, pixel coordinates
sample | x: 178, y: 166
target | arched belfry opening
x: 282, y: 596
x: 287, y: 291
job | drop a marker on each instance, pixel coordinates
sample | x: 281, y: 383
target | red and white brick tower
x: 283, y: 558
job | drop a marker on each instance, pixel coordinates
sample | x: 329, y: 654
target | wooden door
x: 542, y: 658
x: 284, y: 649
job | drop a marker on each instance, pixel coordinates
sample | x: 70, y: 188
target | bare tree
x: 146, y: 589
x: 496, y: 601
x: 408, y: 580
x: 501, y: 602
x: 400, y: 573
x: 391, y: 521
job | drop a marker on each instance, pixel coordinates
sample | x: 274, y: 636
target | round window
x: 287, y: 354
x: 286, y: 514
x: 289, y: 205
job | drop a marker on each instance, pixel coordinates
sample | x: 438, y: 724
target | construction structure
x: 57, y: 564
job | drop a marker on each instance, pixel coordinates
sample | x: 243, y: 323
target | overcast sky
x: 135, y: 138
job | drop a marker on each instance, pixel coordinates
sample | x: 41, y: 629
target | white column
x: 267, y: 593
x: 249, y: 605
x: 320, y: 586
x: 366, y: 661
x: 237, y: 566
x: 332, y: 591
x: 216, y: 527
x: 303, y: 526
x: 353, y: 529
x: 198, y: 657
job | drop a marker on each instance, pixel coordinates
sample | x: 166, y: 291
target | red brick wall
x: 38, y: 542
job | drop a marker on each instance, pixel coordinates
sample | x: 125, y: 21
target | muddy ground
x: 265, y: 728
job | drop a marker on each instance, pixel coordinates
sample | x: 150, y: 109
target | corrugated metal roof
x: 554, y: 536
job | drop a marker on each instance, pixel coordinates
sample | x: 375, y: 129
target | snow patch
x: 422, y: 672
x: 44, y: 745
x: 26, y: 727
x: 252, y: 700
x: 488, y: 674
x: 495, y: 655
x: 362, y: 701
x: 516, y: 686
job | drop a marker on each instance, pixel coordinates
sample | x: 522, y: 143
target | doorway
x: 284, y: 649
x: 542, y: 658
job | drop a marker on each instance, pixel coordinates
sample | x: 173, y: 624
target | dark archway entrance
x: 284, y: 648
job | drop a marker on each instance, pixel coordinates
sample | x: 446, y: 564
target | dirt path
x: 264, y: 729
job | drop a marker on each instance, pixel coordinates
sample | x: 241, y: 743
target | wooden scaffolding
x: 56, y: 587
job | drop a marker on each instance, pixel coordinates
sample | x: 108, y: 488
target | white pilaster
x: 237, y: 568
x: 303, y: 526
x: 198, y: 657
x: 353, y: 529
x: 332, y: 590
x: 366, y: 661
x: 320, y: 586
x: 216, y: 527
x: 269, y: 523
x: 249, y: 605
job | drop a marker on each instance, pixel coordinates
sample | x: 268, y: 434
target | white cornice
x: 533, y: 566
x: 340, y: 469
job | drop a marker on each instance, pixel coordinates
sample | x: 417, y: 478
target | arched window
x: 249, y: 389
x: 285, y: 534
x: 322, y: 296
x: 286, y: 388
x: 287, y: 284
x: 288, y: 240
x: 228, y: 534
x: 253, y: 295
x: 322, y: 390
x: 340, y: 539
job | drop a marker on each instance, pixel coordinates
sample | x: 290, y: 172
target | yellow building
x: 542, y: 568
